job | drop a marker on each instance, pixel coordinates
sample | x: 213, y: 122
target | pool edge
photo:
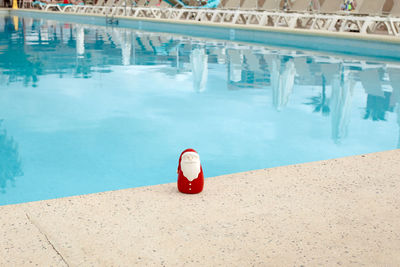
x: 305, y: 213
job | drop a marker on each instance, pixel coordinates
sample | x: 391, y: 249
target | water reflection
x: 42, y: 47
x: 87, y: 78
x: 341, y: 99
x: 199, y: 63
x: 394, y: 78
x: 283, y: 73
x: 10, y: 164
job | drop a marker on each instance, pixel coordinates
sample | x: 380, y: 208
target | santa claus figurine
x: 190, y: 172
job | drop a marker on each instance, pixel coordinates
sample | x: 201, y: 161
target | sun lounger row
x: 364, y: 7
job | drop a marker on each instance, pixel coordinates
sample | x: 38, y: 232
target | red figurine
x: 190, y: 172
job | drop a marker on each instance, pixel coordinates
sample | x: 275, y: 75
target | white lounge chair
x: 370, y: 7
x: 300, y: 6
x: 270, y: 5
x: 56, y: 7
x: 53, y: 5
x: 103, y: 9
x: 395, y: 11
x: 219, y: 53
x: 84, y: 8
x: 232, y: 4
x: 249, y: 5
x: 331, y: 6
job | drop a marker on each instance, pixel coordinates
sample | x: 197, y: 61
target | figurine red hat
x: 190, y: 172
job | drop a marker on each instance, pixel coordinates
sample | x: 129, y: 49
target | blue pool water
x: 85, y: 109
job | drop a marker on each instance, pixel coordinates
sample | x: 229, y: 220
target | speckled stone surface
x: 336, y: 212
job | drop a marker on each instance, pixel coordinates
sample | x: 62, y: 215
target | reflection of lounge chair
x: 145, y: 43
x: 303, y: 70
x: 235, y: 65
x: 377, y: 100
x: 158, y: 47
x: 370, y: 80
x: 330, y: 71
x: 252, y: 61
x: 394, y: 78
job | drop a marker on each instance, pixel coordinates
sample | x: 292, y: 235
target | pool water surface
x: 86, y: 109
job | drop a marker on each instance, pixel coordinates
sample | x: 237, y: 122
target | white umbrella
x: 199, y: 62
x: 342, y: 95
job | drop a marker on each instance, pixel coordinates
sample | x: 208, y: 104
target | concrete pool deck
x: 336, y: 212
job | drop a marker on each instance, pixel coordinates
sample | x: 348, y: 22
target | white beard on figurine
x: 190, y: 172
x: 190, y: 165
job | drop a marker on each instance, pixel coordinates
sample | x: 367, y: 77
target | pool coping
x: 334, y: 212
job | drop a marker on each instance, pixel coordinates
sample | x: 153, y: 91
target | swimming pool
x: 87, y: 108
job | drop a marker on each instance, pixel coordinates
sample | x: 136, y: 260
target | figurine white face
x: 190, y: 165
